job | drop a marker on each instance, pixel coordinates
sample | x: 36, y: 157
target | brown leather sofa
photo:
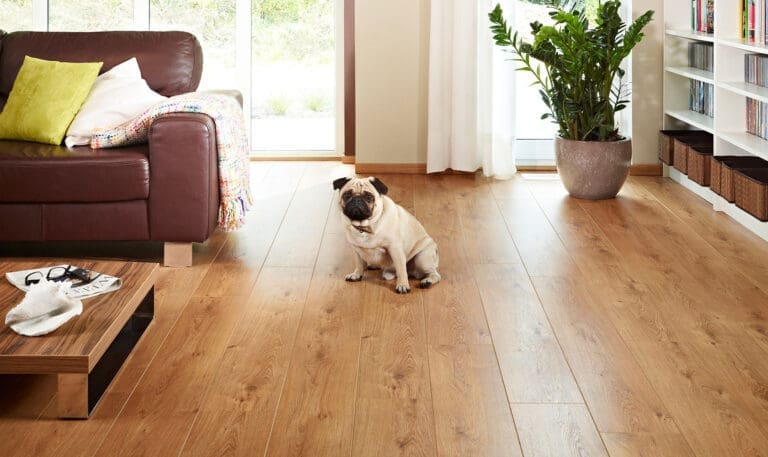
x: 166, y: 190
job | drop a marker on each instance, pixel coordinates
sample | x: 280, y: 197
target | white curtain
x: 471, y: 91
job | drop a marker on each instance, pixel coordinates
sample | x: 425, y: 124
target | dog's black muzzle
x: 357, y: 209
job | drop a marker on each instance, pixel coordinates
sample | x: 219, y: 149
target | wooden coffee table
x: 86, y: 352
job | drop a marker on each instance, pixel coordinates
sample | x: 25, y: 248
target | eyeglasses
x: 61, y: 274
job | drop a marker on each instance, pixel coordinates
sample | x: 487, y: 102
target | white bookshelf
x: 729, y: 122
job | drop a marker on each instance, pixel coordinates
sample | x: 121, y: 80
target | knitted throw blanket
x: 231, y: 144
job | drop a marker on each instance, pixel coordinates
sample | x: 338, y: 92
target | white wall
x: 392, y: 57
x: 646, y: 77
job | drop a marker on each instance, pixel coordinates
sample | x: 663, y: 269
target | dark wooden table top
x: 76, y: 346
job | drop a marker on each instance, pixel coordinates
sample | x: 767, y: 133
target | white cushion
x: 116, y: 97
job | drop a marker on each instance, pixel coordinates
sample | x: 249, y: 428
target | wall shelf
x: 756, y: 48
x: 698, y: 120
x: 691, y: 35
x: 693, y: 73
x: 746, y: 89
x: 728, y: 125
x: 746, y: 141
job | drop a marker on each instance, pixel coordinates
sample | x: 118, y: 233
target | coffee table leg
x: 79, y: 393
x: 73, y: 395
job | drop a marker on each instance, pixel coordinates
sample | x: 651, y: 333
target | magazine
x: 99, y: 283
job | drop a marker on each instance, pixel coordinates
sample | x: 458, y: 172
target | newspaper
x: 102, y: 284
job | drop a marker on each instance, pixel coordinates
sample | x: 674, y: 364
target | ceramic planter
x: 593, y: 170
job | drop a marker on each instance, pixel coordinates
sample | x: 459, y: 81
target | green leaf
x: 579, y: 70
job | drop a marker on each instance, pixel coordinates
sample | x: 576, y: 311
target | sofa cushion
x: 31, y: 172
x: 45, y: 98
x: 116, y: 97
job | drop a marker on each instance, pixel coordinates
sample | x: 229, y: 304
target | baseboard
x: 646, y: 169
x: 536, y: 168
x: 641, y: 169
x: 348, y: 160
x: 399, y: 168
x: 294, y: 159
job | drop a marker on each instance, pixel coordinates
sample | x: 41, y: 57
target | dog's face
x: 360, y: 198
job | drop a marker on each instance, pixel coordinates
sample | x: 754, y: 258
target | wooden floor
x: 631, y: 327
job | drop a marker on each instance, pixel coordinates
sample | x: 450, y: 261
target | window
x: 281, y: 54
x: 534, y: 135
x: 213, y: 23
x: 15, y: 15
x: 293, y: 75
x: 89, y: 15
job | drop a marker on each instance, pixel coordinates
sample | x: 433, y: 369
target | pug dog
x: 383, y: 235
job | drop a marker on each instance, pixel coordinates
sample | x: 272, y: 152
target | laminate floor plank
x: 315, y: 415
x: 744, y: 250
x: 472, y: 415
x: 646, y: 445
x: 245, y: 250
x: 531, y: 361
x: 302, y: 228
x: 236, y: 417
x: 614, y: 385
x: 676, y: 322
x: 394, y: 410
x: 539, y: 246
x: 165, y: 402
x: 471, y: 409
x: 552, y: 430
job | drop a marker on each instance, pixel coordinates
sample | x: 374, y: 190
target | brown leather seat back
x: 171, y: 62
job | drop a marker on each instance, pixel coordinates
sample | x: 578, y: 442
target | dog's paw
x: 425, y: 284
x: 353, y: 277
x: 388, y: 275
x: 402, y: 288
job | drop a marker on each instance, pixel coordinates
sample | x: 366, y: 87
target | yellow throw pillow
x: 45, y: 98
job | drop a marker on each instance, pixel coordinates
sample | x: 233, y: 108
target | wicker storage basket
x: 723, y: 168
x: 751, y: 185
x: 700, y: 164
x: 680, y: 155
x: 681, y: 145
x: 667, y: 144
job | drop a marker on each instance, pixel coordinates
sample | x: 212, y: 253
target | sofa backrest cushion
x: 170, y: 62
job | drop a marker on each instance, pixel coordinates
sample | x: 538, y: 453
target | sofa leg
x: 177, y: 254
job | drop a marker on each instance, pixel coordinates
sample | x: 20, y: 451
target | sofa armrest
x: 183, y: 178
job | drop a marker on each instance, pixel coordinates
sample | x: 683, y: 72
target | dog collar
x: 361, y: 229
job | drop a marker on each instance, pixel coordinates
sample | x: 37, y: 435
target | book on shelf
x: 757, y: 118
x: 754, y: 21
x: 701, y: 98
x: 756, y: 69
x: 701, y: 95
x: 701, y: 55
x: 756, y: 72
x: 703, y: 16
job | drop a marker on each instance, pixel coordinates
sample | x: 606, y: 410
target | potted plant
x: 582, y: 84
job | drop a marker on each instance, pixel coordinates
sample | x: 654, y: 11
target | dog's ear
x: 341, y: 182
x: 380, y: 186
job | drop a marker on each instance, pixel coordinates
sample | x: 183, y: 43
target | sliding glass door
x: 89, y: 15
x: 213, y: 23
x: 293, y: 77
x: 281, y: 54
x: 15, y: 15
x: 535, y: 137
